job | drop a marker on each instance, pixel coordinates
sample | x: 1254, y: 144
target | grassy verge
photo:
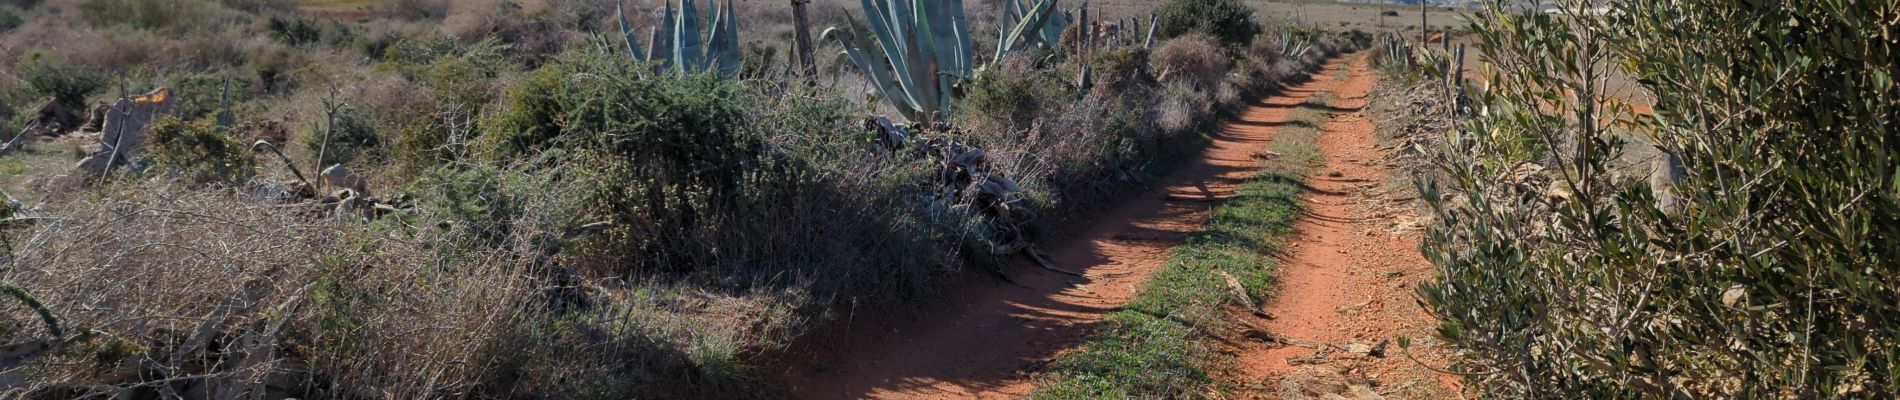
x: 1157, y: 346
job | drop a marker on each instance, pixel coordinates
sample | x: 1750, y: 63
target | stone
x: 123, y: 132
x: 127, y: 118
x: 340, y: 176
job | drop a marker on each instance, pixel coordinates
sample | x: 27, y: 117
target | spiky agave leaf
x: 1025, y: 31
x: 688, y: 54
x: 662, y: 47
x: 949, y: 38
x: 626, y: 33
x: 722, y: 43
x: 923, y: 52
x: 875, y: 67
x: 948, y: 32
x: 879, y: 14
x: 921, y: 48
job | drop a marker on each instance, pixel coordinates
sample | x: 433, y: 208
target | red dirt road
x: 987, y: 339
x: 1346, y: 282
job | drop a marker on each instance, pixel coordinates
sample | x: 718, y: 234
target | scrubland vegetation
x: 547, y: 199
x: 535, y: 210
x: 1754, y: 257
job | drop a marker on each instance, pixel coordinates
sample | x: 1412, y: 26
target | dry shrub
x: 474, y: 19
x: 414, y: 9
x: 170, y: 16
x: 161, y: 288
x: 113, y: 49
x: 1182, y: 107
x: 165, y: 280
x: 209, y: 50
x: 1230, y: 21
x: 1196, y: 59
x: 261, y: 7
x: 1287, y: 69
x: 1228, y: 94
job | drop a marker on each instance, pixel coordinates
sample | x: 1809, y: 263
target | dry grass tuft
x: 1197, y: 59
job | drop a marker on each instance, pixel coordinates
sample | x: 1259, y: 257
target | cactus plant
x: 677, y: 40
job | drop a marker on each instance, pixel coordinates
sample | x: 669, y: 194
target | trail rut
x: 1346, y: 280
x: 989, y: 337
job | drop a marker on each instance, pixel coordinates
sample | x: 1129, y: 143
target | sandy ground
x: 988, y: 339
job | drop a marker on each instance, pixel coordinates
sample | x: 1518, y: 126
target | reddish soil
x: 989, y: 337
x: 1347, y: 279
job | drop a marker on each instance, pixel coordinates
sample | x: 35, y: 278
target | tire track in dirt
x: 1347, y: 277
x: 989, y: 337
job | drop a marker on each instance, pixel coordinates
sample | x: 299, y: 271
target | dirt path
x: 1346, y: 281
x: 986, y: 340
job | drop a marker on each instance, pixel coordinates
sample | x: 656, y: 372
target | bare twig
x: 15, y: 142
x: 287, y: 163
x: 1042, y: 259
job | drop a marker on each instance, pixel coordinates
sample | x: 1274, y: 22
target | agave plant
x: 1029, y: 25
x: 1294, y: 45
x: 923, y: 51
x: 677, y: 40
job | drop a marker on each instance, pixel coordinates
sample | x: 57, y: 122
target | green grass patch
x: 12, y: 167
x: 1157, y: 345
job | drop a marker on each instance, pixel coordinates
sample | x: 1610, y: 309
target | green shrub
x: 1228, y: 20
x: 199, y: 148
x: 460, y: 81
x: 667, y: 152
x: 485, y: 199
x: 294, y: 31
x: 708, y: 175
x: 421, y: 144
x: 376, y: 46
x: 261, y: 7
x: 1117, y: 70
x: 273, y: 69
x: 1762, y: 264
x: 9, y: 19
x: 1016, y: 95
x: 351, y: 135
x: 67, y: 84
x: 201, y: 94
x: 412, y: 51
x: 528, y: 114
